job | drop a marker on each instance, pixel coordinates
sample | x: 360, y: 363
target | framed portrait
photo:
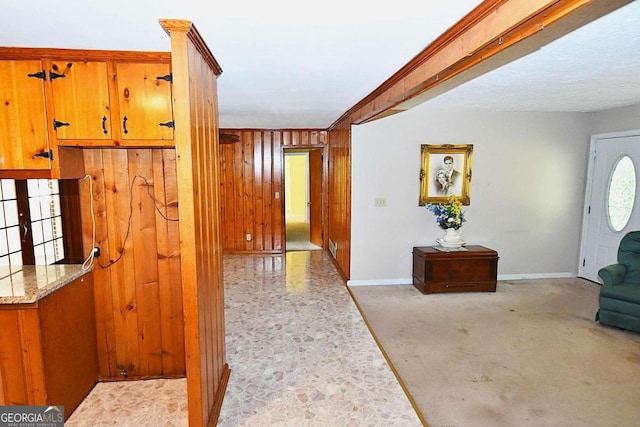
x: 445, y: 170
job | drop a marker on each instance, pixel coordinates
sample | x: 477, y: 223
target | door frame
x: 589, y: 187
x: 324, y: 192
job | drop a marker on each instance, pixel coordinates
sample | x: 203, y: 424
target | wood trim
x: 192, y: 33
x: 24, y: 213
x: 219, y: 398
x: 17, y: 53
x: 71, y: 221
x: 491, y: 28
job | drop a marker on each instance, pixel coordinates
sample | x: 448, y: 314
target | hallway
x: 298, y: 237
x: 299, y: 351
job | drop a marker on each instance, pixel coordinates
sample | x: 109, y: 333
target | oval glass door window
x: 621, y: 194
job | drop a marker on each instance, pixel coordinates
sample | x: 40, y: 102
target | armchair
x: 620, y: 291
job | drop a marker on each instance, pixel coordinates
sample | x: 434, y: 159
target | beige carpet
x: 298, y: 237
x: 528, y: 355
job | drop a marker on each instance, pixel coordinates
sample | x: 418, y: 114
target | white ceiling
x: 593, y: 68
x: 295, y: 64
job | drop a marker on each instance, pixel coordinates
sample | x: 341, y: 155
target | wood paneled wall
x: 339, y: 221
x: 195, y: 103
x: 251, y: 178
x: 137, y: 275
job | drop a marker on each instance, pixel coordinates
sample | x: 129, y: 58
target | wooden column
x: 195, y: 71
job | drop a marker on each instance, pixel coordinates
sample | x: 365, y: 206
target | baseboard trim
x: 386, y: 282
x: 501, y: 277
x: 527, y: 276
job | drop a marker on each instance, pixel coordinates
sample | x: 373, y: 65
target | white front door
x: 612, y: 205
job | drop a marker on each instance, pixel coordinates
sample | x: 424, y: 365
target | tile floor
x: 299, y: 351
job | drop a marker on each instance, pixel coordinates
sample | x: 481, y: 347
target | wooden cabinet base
x: 473, y: 269
x: 48, y: 350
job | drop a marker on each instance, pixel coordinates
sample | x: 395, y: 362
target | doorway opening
x: 303, y: 199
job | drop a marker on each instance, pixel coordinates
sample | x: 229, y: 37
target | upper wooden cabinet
x: 144, y: 101
x: 80, y: 94
x: 56, y: 101
x: 23, y: 124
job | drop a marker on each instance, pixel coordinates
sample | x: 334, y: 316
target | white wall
x: 617, y: 119
x: 527, y: 190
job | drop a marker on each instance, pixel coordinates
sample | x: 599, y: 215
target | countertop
x: 29, y: 283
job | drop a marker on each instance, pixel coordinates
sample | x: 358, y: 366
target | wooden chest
x: 475, y: 269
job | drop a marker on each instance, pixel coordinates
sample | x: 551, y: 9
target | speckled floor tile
x: 160, y: 402
x: 299, y: 351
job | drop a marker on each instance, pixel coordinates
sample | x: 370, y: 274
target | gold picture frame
x: 445, y: 170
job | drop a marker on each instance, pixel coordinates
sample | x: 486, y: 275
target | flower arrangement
x: 448, y: 215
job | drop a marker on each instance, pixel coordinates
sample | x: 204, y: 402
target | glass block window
x: 46, y: 220
x: 10, y: 246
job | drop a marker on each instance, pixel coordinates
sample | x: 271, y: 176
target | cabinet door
x: 144, y: 97
x: 23, y: 123
x: 80, y: 99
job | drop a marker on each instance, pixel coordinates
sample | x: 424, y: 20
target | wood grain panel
x: 48, y: 348
x: 270, y: 204
x: 166, y: 195
x: 70, y: 358
x: 339, y: 215
x: 94, y: 213
x: 14, y: 388
x: 138, y: 84
x: 32, y: 363
x: 137, y: 276
x: 195, y: 73
x: 144, y: 245
x: 81, y: 99
x: 121, y: 261
x: 22, y: 116
x: 316, y: 179
x: 251, y: 176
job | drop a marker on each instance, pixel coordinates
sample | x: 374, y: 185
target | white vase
x: 452, y: 235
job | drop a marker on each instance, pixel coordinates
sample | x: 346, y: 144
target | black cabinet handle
x: 104, y: 125
x: 167, y: 78
x: 45, y: 155
x: 124, y: 125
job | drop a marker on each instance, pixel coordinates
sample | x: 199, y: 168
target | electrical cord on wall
x: 91, y: 256
x: 155, y: 202
x: 89, y: 260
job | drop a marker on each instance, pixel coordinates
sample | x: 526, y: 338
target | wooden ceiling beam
x: 492, y: 28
